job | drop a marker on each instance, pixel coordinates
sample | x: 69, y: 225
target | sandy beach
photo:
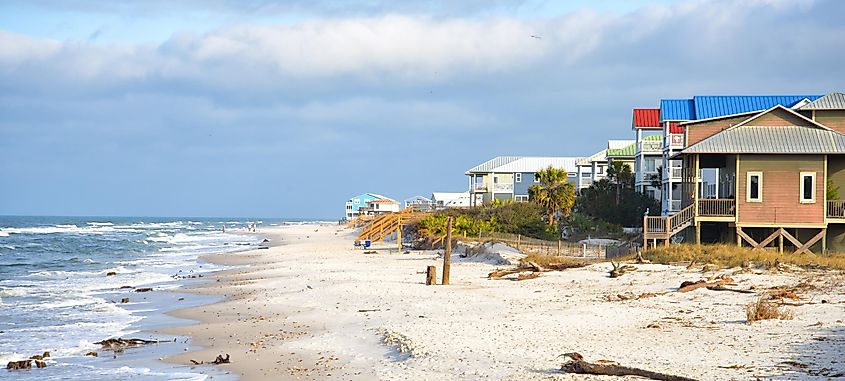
x: 312, y: 308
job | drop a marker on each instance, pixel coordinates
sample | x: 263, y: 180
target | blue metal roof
x: 715, y: 106
x: 677, y: 109
x: 712, y: 106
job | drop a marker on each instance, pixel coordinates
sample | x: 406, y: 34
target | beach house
x: 648, y: 155
x: 590, y: 169
x: 380, y: 206
x: 764, y: 179
x: 419, y: 203
x: 624, y: 153
x: 675, y: 112
x: 443, y: 200
x: 509, y: 177
x: 594, y: 167
x: 354, y: 204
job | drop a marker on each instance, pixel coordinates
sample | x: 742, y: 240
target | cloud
x: 398, y: 103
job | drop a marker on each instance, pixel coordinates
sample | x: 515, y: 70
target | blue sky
x: 285, y: 109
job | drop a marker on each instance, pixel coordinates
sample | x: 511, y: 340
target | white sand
x: 499, y: 329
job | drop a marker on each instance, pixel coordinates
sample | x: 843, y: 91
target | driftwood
x: 143, y: 289
x: 687, y: 286
x: 92, y: 354
x: 527, y: 276
x: 119, y: 344
x: 503, y: 272
x: 219, y: 360
x: 618, y: 270
x: 719, y: 287
x: 577, y: 365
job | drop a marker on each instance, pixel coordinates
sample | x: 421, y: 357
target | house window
x: 755, y: 187
x: 808, y: 187
x: 601, y: 169
x: 520, y: 198
x: 517, y: 177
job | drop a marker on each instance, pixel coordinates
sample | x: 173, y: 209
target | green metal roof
x: 626, y: 152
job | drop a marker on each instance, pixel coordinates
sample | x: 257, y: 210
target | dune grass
x: 763, y: 309
x: 551, y: 261
x: 733, y: 256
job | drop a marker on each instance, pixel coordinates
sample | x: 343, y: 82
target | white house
x: 442, y: 200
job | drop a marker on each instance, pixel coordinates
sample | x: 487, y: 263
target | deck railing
x: 655, y: 224
x: 682, y: 217
x: 836, y: 209
x: 717, y: 207
x: 503, y: 187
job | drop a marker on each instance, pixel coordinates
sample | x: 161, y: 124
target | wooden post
x: 698, y: 233
x: 447, y: 252
x: 780, y: 240
x: 518, y: 241
x: 399, y: 232
x: 645, y: 229
x: 558, y: 248
x: 824, y: 241
x: 430, y: 276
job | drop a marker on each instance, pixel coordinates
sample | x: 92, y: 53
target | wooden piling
x: 431, y: 276
x: 447, y: 252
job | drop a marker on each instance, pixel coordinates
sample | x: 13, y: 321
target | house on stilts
x: 767, y: 179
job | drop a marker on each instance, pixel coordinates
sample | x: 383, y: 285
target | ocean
x: 62, y: 280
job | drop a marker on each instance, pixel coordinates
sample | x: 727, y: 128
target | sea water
x: 56, y: 293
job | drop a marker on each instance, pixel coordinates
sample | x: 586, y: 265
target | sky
x: 261, y: 108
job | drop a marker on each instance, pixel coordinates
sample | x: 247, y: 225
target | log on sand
x: 577, y: 365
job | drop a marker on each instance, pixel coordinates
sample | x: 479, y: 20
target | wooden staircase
x: 663, y: 227
x: 386, y: 224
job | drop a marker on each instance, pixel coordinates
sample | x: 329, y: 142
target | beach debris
x: 403, y: 343
x: 430, y: 276
x: 217, y: 361
x: 640, y: 260
x: 119, y: 344
x: 20, y: 364
x: 578, y: 365
x: 717, y: 281
x: 27, y: 364
x: 528, y: 276
x: 111, y: 273
x: 92, y: 354
x: 143, y: 289
x: 124, y: 300
x: 124, y: 287
x: 221, y: 360
x: 619, y: 269
x: 371, y: 310
x: 40, y: 357
x: 371, y: 252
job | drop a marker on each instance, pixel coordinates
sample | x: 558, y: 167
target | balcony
x: 717, y: 207
x: 836, y: 209
x: 676, y: 140
x: 651, y: 146
x: 479, y: 187
x: 503, y: 188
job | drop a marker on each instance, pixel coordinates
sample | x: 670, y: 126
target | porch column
x: 698, y: 233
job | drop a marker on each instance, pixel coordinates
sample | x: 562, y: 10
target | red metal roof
x: 646, y: 118
x: 675, y: 128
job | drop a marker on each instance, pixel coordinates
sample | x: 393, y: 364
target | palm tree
x: 554, y: 193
